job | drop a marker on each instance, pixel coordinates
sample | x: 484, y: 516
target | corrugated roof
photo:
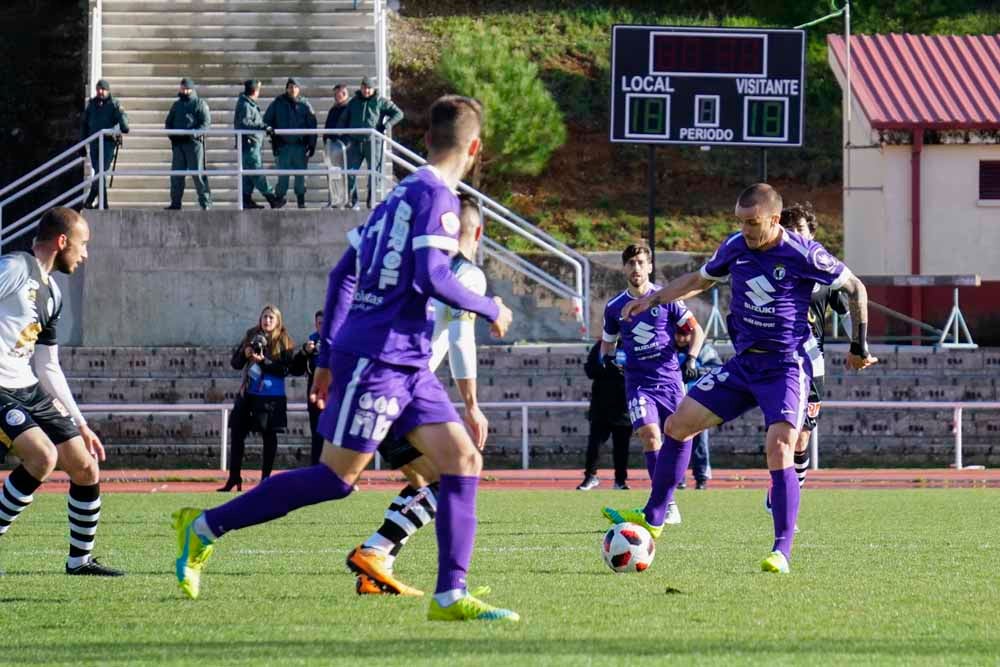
x: 932, y: 81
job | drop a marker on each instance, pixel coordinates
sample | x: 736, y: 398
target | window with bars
x: 989, y: 179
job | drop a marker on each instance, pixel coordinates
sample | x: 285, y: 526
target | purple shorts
x: 652, y: 403
x: 777, y: 382
x: 368, y: 398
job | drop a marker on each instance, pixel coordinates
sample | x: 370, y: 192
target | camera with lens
x: 258, y: 343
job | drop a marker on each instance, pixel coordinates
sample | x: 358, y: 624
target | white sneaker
x: 673, y: 514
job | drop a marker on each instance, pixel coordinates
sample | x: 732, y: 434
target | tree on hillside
x: 523, y: 123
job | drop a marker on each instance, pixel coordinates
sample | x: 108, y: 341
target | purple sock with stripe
x: 671, y: 465
x: 651, y: 462
x: 456, y: 529
x: 277, y: 496
x: 784, y: 508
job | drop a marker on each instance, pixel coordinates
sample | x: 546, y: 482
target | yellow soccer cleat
x: 775, y: 562
x: 365, y: 585
x: 637, y: 516
x: 470, y: 608
x: 192, y: 551
x: 371, y: 563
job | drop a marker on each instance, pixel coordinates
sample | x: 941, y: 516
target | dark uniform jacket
x: 374, y: 112
x: 332, y: 120
x: 285, y: 113
x: 607, y: 391
x: 102, y: 115
x: 249, y: 117
x: 189, y: 113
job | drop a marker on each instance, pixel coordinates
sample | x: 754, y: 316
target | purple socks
x: 671, y: 465
x: 456, y: 530
x: 277, y: 496
x: 784, y: 508
x: 651, y: 462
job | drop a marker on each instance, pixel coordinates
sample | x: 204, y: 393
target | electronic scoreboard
x: 707, y: 86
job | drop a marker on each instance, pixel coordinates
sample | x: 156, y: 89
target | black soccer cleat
x: 93, y: 568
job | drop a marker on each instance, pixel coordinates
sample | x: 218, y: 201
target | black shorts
x: 815, y: 403
x: 21, y: 409
x: 397, y: 452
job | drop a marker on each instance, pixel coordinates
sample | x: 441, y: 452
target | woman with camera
x: 265, y: 356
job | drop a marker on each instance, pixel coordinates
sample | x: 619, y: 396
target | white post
x: 524, y: 437
x: 224, y: 430
x: 100, y: 179
x: 958, y: 438
x: 239, y: 171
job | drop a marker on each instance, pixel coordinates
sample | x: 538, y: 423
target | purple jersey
x: 647, y: 339
x: 771, y: 290
x: 401, y: 262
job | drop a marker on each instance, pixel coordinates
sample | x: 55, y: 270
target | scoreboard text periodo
x: 707, y: 86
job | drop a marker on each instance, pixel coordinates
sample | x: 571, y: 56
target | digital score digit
x: 765, y: 119
x: 647, y: 116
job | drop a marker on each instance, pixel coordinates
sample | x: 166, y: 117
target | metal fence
x: 525, y: 408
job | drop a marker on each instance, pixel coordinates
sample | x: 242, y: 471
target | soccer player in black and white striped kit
x: 39, y: 420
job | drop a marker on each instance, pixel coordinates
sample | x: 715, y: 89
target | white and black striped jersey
x: 30, y: 303
x: 455, y: 329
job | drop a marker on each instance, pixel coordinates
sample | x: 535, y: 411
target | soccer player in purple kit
x: 373, y: 375
x: 772, y: 272
x: 653, y: 382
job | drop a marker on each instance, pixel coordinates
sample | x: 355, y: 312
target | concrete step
x: 235, y: 72
x: 262, y: 31
x: 219, y: 18
x: 131, y: 43
x: 227, y: 101
x: 234, y: 56
x: 147, y: 90
x: 234, y: 6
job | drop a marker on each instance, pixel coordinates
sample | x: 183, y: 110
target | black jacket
x: 607, y: 392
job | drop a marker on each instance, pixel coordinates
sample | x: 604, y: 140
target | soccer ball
x: 628, y: 547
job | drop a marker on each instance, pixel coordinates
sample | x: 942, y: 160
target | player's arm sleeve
x: 53, y: 381
x: 678, y: 312
x: 462, y: 332
x: 13, y: 274
x: 716, y: 268
x: 433, y: 277
x: 822, y: 267
x: 612, y: 327
x: 339, y: 295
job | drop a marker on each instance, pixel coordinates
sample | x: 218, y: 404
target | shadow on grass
x: 218, y: 652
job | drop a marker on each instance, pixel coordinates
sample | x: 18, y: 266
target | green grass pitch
x: 878, y: 577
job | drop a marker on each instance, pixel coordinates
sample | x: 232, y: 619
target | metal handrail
x: 957, y: 407
x: 398, y: 154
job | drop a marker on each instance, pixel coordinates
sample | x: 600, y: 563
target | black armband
x: 859, y: 346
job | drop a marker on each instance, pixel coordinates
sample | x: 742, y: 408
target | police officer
x: 103, y: 112
x: 249, y: 117
x: 189, y: 112
x: 367, y: 110
x: 292, y: 112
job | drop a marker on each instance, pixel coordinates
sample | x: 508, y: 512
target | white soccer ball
x: 628, y: 547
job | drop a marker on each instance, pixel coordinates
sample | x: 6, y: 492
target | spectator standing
x: 335, y: 149
x: 608, y: 416
x: 103, y: 112
x: 248, y: 116
x: 291, y: 111
x: 706, y: 360
x: 189, y: 112
x: 305, y: 362
x: 265, y: 355
x: 367, y: 110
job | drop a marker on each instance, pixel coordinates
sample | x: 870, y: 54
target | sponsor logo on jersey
x: 15, y: 417
x: 643, y: 333
x: 760, y: 290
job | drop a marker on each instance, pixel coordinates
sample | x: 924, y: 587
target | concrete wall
x: 160, y: 278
